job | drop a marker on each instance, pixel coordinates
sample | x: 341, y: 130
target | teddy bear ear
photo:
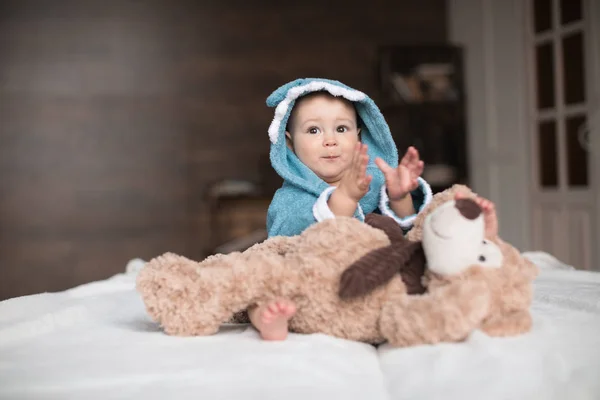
x: 416, y: 232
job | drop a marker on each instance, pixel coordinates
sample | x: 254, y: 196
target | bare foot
x: 271, y: 319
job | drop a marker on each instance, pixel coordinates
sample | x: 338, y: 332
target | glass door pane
x: 542, y: 11
x: 548, y: 163
x: 577, y: 151
x: 570, y: 11
x: 573, y: 68
x: 545, y: 75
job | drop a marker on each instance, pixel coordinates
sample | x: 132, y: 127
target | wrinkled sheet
x: 558, y: 359
x: 95, y: 341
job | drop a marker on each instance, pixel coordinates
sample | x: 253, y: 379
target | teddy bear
x: 437, y: 284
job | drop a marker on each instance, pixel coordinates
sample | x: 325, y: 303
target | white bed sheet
x: 558, y: 359
x: 95, y: 341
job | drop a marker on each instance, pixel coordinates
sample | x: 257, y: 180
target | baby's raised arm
x: 353, y: 185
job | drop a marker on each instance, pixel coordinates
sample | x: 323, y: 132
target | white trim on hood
x: 295, y: 92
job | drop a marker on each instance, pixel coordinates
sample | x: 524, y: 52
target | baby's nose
x: 329, y: 140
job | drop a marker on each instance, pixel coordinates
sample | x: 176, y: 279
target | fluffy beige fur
x: 191, y: 298
x: 507, y: 291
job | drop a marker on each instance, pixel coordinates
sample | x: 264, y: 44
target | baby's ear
x: 288, y: 140
x: 359, y: 132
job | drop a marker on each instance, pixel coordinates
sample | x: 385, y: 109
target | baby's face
x: 323, y: 134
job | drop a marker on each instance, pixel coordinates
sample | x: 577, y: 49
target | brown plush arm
x: 412, y: 272
x: 379, y: 266
x: 388, y: 225
x: 369, y: 272
x: 447, y: 314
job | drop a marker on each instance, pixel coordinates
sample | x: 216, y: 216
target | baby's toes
x: 286, y: 308
x: 271, y: 311
x: 290, y: 309
x: 267, y: 316
x: 273, y: 308
x: 278, y: 308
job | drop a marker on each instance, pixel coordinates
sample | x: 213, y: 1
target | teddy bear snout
x: 468, y: 208
x: 452, y: 236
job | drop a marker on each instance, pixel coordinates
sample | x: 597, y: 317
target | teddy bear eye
x: 482, y: 258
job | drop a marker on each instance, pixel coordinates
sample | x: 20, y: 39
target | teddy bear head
x: 453, y: 239
x: 452, y: 233
x: 473, y: 281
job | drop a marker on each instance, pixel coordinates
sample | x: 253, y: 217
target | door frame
x: 593, y: 77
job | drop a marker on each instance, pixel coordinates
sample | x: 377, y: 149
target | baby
x: 335, y: 152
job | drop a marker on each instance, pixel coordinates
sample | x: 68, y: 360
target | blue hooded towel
x: 302, y: 199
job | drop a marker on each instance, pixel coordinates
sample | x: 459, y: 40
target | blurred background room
x: 129, y: 128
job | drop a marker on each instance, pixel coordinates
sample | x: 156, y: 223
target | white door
x: 539, y: 160
x: 560, y: 48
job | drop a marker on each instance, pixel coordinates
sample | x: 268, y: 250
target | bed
x: 95, y: 341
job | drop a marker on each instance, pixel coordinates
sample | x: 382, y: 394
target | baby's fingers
x: 459, y: 195
x: 356, y: 153
x: 364, y: 161
x: 486, y: 205
x: 415, y: 169
x: 418, y: 170
x: 411, y: 157
x: 383, y: 166
x: 359, y: 151
x: 364, y: 182
x: 361, y: 161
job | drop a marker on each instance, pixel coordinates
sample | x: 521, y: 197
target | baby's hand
x: 355, y: 182
x: 490, y: 217
x: 402, y: 180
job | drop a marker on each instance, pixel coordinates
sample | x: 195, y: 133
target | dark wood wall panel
x: 115, y: 116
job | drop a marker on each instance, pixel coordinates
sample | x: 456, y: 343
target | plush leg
x: 168, y: 287
x: 279, y: 245
x: 512, y: 324
x: 447, y: 314
x: 189, y: 298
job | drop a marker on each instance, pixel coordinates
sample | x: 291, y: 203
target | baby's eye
x: 313, y: 130
x: 342, y: 129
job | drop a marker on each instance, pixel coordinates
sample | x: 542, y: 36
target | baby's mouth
x: 331, y: 157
